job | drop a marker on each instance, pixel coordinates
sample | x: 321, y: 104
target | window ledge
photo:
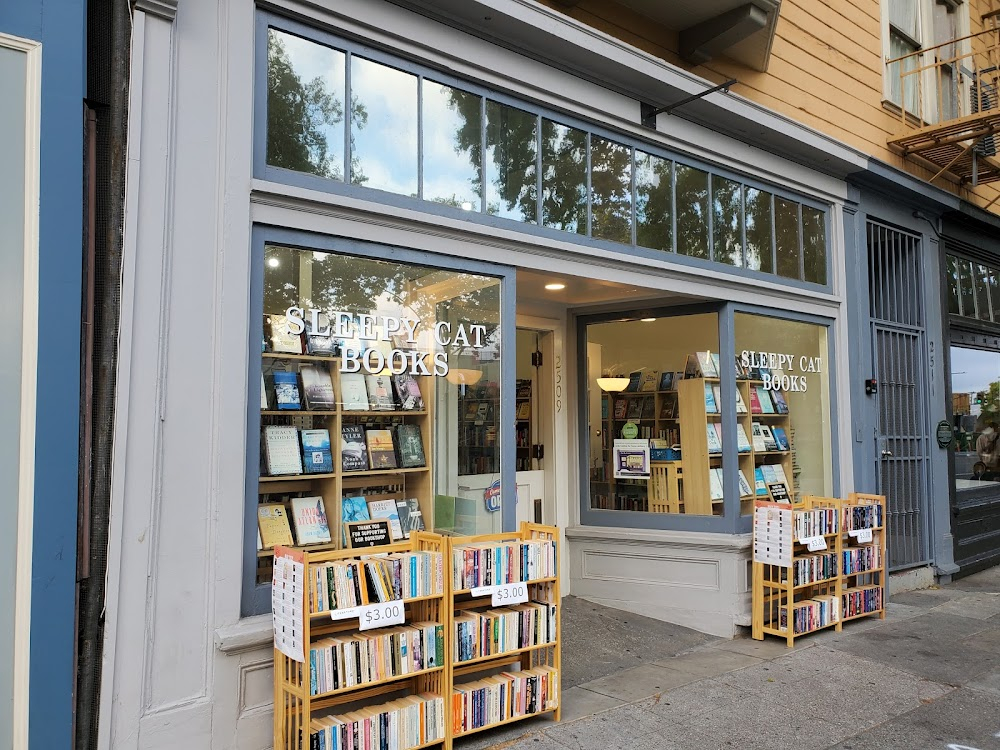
x: 249, y: 634
x: 687, y: 539
x: 896, y: 111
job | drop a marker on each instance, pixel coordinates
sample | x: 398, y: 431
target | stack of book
x: 862, y: 559
x: 504, y: 696
x: 404, y: 723
x: 814, y: 568
x: 290, y: 451
x: 335, y: 585
x: 404, y: 575
x: 403, y: 514
x: 364, y: 449
x: 817, y: 522
x: 361, y: 658
x: 862, y: 517
x: 489, y: 564
x: 810, y: 614
x: 862, y: 600
x: 497, y: 631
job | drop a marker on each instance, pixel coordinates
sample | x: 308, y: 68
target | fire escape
x: 950, y: 102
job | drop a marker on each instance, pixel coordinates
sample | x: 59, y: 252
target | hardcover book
x: 320, y: 342
x: 381, y: 452
x: 317, y: 387
x: 715, y: 484
x: 648, y: 408
x: 380, y: 393
x: 650, y: 379
x: 411, y: 446
x: 309, y: 517
x: 764, y: 399
x: 669, y: 408
x: 769, y: 442
x: 286, y: 390
x: 634, y: 381
x: 355, y: 395
x: 760, y: 486
x: 757, y: 437
x: 281, y: 450
x: 353, y: 449
x: 779, y: 402
x: 316, y: 455
x: 410, y: 517
x: 354, y: 509
x: 634, y: 408
x: 714, y: 444
x: 524, y: 411
x: 779, y: 474
x: 717, y: 393
x: 754, y: 402
x: 408, y: 392
x: 780, y: 438
x: 272, y: 522
x: 386, y: 509
x: 741, y: 405
x: 621, y: 405
x: 666, y: 381
x: 281, y: 340
x: 745, y: 489
x: 711, y: 407
x: 742, y: 439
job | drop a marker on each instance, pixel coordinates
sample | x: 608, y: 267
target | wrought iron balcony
x: 950, y: 108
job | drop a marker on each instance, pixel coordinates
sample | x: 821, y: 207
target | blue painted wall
x: 60, y: 25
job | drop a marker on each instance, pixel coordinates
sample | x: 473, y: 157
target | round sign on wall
x: 630, y: 430
x: 945, y: 434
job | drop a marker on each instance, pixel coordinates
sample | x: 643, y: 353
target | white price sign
x: 346, y: 613
x: 382, y: 615
x: 814, y: 543
x: 482, y: 590
x: 510, y: 593
x: 862, y: 535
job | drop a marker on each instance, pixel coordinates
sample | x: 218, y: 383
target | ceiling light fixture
x: 273, y: 262
x: 648, y: 320
x: 555, y: 287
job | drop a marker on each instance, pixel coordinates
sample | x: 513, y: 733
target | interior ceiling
x: 584, y: 291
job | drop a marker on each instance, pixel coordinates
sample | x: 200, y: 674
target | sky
x: 973, y: 370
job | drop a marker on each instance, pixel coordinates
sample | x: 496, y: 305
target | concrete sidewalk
x: 928, y: 676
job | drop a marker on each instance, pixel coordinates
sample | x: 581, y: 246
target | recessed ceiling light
x: 648, y: 320
x: 273, y: 262
x: 555, y: 287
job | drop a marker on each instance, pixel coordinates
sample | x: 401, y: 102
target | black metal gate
x: 902, y: 434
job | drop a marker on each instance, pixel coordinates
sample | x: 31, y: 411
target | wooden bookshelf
x: 873, y: 579
x: 296, y: 704
x: 541, y: 589
x: 754, y: 459
x: 697, y: 461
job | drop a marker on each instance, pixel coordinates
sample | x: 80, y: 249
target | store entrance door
x: 533, y: 426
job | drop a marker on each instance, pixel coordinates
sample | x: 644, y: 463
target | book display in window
x: 817, y: 564
x: 768, y: 422
x: 523, y: 426
x: 364, y: 687
x: 478, y: 429
x: 335, y: 436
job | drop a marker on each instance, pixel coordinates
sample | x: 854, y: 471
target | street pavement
x: 925, y: 678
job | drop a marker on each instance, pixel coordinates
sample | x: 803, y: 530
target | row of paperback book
x: 361, y: 658
x: 400, y: 724
x: 489, y: 564
x: 810, y: 614
x: 290, y: 451
x: 862, y: 517
x: 862, y: 600
x: 403, y: 515
x: 504, y: 696
x: 814, y: 568
x: 765, y: 438
x: 497, y: 631
x: 764, y: 475
x: 816, y: 522
x: 402, y: 575
x: 312, y: 387
x: 862, y: 559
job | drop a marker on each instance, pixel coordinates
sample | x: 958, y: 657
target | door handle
x: 886, y: 454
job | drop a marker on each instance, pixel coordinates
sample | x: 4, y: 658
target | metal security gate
x: 902, y: 435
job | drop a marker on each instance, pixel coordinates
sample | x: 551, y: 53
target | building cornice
x: 165, y: 9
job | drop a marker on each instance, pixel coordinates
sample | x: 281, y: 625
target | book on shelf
x: 353, y: 391
x: 316, y: 455
x: 810, y: 614
x: 711, y: 405
x: 780, y: 404
x: 286, y: 390
x: 492, y: 563
x: 650, y: 379
x: 380, y: 393
x: 769, y: 442
x: 760, y: 486
x: 524, y: 410
x: 745, y: 489
x: 353, y: 448
x: 634, y: 408
x: 754, y: 402
x: 408, y: 392
x: 411, y: 446
x: 717, y: 394
x: 764, y: 399
x: 714, y: 443
x: 381, y: 451
x: 668, y: 409
x: 272, y: 523
x: 742, y: 440
x: 484, y: 412
x: 471, y: 410
x: 317, y: 388
x: 634, y: 381
x: 741, y: 405
x: 319, y: 341
x: 715, y: 486
x: 410, y: 517
x: 263, y: 393
x: 281, y: 450
x: 498, y: 631
x: 757, y: 436
x: 386, y: 509
x: 502, y: 697
x: 309, y: 519
x: 621, y: 407
x: 402, y: 723
x: 779, y: 474
x: 666, y: 381
x: 334, y: 585
x: 281, y: 340
x: 353, y: 509
x: 523, y: 389
x: 648, y: 408
x: 716, y: 364
x: 741, y: 371
x: 780, y: 438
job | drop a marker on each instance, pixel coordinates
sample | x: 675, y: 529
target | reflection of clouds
x: 446, y: 173
x: 386, y: 147
x: 973, y: 370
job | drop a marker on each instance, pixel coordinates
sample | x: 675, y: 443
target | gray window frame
x: 731, y: 521
x: 256, y: 598
x: 264, y: 171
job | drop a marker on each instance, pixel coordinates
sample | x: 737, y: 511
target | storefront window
x: 975, y: 408
x: 380, y: 399
x: 654, y: 202
x: 611, y: 190
x: 783, y: 375
x: 564, y: 177
x: 727, y: 220
x: 452, y: 122
x: 786, y: 236
x: 511, y: 163
x: 692, y: 212
x: 654, y: 415
x: 760, y: 234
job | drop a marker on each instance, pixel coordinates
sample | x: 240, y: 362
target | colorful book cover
x: 711, y: 407
x: 760, y: 486
x: 634, y: 381
x: 353, y: 449
x: 408, y: 392
x: 411, y: 446
x: 770, y: 477
x: 316, y: 455
x: 387, y: 509
x: 742, y: 439
x: 317, y: 388
x: 354, y: 395
x: 354, y: 509
x: 621, y: 407
x: 380, y: 393
x: 769, y: 442
x: 309, y: 517
x: 281, y: 340
x: 272, y: 522
x: 714, y: 444
x: 754, y: 402
x: 634, y: 408
x: 779, y: 402
x: 381, y: 451
x: 780, y: 438
x: 286, y: 390
x: 666, y: 381
x: 650, y: 379
x: 765, y: 400
x: 757, y: 437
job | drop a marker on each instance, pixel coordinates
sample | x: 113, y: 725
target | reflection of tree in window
x: 451, y: 164
x: 611, y: 190
x: 564, y: 177
x: 758, y: 231
x: 692, y: 211
x: 727, y: 221
x: 653, y: 202
x: 305, y: 118
x: 786, y: 237
x: 814, y: 244
x: 952, y: 275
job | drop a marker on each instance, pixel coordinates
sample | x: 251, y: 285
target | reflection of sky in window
x: 385, y: 150
x: 449, y: 173
x: 311, y: 61
x: 564, y: 187
x: 973, y: 370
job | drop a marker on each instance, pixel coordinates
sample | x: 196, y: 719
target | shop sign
x: 630, y: 430
x: 346, y: 326
x: 631, y: 458
x: 491, y: 495
x: 782, y: 371
x: 367, y: 533
x: 945, y: 434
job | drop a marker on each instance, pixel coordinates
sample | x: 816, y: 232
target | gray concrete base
x: 912, y: 580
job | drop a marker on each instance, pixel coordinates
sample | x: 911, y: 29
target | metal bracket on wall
x: 648, y: 112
